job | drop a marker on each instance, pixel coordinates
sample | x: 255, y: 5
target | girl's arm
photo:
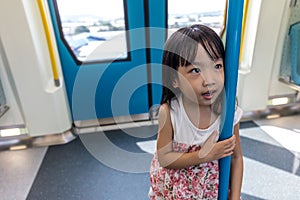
x: 236, y: 171
x: 175, y: 160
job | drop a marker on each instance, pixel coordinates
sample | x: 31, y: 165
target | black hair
x: 181, y: 49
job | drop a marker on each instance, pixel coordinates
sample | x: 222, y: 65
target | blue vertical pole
x: 232, y: 51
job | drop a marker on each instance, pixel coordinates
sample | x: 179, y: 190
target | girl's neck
x: 201, y: 116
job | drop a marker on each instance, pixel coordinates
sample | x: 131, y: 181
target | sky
x: 194, y: 6
x: 114, y: 8
x: 102, y: 8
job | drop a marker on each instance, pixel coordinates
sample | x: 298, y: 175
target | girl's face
x: 203, y: 80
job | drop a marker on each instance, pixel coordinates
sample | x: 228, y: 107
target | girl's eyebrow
x: 199, y: 63
x: 218, y: 60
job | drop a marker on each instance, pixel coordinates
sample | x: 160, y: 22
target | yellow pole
x: 224, y: 20
x: 246, y: 2
x: 49, y: 42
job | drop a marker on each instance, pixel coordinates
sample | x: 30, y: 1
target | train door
x: 111, y: 52
x: 102, y: 47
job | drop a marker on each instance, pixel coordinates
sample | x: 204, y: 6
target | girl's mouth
x: 208, y: 95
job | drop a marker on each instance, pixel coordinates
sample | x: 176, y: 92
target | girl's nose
x: 207, y: 82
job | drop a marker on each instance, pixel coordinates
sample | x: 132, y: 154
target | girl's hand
x: 214, y: 151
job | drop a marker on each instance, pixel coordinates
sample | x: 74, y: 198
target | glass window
x: 95, y: 30
x: 184, y: 13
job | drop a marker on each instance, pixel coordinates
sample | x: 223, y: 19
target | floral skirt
x: 194, y: 182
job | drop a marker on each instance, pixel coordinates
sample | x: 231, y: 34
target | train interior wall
x: 32, y: 106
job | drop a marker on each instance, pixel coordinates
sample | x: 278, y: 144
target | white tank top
x: 185, y: 131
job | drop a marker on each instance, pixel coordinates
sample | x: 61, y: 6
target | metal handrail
x: 49, y: 42
x: 224, y: 19
x: 246, y: 5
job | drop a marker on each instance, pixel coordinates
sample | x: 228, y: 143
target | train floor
x: 115, y: 165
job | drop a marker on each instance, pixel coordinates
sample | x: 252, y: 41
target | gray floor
x: 17, y: 172
x: 271, y: 161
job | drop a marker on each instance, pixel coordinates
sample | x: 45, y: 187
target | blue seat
x: 295, y: 52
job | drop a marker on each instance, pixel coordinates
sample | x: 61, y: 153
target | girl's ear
x: 175, y: 83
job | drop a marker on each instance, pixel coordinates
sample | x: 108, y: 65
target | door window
x: 94, y: 30
x: 188, y: 12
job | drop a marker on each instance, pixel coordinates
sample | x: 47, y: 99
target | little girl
x: 185, y: 164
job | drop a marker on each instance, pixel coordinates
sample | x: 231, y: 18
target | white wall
x: 258, y: 75
x: 12, y: 117
x: 44, y: 107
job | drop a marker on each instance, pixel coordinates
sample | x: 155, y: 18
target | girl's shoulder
x: 163, y: 112
x: 169, y: 112
x: 164, y: 106
x: 171, y: 105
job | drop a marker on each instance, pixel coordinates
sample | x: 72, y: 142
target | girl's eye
x: 195, y: 70
x: 218, y: 66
